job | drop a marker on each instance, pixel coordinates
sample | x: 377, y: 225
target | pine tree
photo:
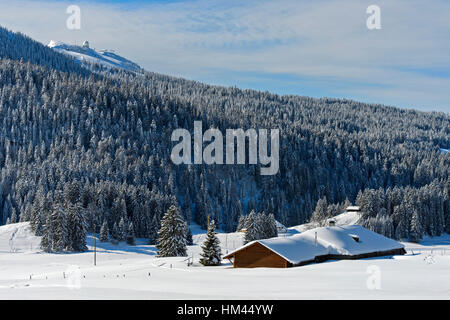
x: 241, y: 224
x: 321, y: 211
x: 130, y: 237
x: 270, y: 226
x: 115, y: 234
x: 401, y: 230
x: 172, y: 234
x: 72, y: 193
x: 253, y: 230
x: 211, y: 253
x: 47, y: 235
x: 35, y: 218
x: 104, y: 232
x: 41, y: 209
x: 76, y: 228
x: 122, y: 230
x: 13, y: 216
x: 60, y: 231
x: 153, y: 231
x: 415, y: 234
x: 189, y: 240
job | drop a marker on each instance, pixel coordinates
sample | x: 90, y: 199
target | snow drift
x: 343, y: 219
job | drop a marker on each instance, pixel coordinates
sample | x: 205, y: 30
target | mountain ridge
x: 84, y: 53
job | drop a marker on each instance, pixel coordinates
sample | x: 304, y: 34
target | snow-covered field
x: 134, y: 272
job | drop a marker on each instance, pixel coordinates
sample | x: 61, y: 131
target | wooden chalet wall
x: 257, y: 255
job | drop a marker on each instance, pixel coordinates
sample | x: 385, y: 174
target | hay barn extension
x: 315, y: 245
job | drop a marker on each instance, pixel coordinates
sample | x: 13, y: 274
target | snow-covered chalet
x: 315, y: 245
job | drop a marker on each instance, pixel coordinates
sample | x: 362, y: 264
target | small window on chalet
x: 354, y: 237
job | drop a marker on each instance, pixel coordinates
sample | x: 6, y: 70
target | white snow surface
x: 106, y: 58
x: 330, y: 240
x: 343, y: 219
x: 339, y: 240
x: 280, y: 227
x: 135, y: 272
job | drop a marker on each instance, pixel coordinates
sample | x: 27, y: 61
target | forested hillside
x: 100, y: 143
x: 18, y: 46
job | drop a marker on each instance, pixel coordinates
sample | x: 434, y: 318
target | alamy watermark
x: 374, y: 20
x: 73, y: 22
x: 235, y: 151
x: 374, y: 280
x: 73, y: 277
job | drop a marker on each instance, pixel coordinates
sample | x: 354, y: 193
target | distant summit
x: 107, y: 58
x: 19, y: 47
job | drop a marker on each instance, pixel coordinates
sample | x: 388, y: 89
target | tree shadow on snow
x: 122, y: 247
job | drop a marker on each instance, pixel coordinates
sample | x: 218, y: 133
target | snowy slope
x: 347, y: 218
x: 343, y: 219
x: 106, y: 58
x: 18, y: 237
x: 124, y: 272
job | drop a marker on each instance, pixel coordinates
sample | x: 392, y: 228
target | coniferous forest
x: 82, y: 148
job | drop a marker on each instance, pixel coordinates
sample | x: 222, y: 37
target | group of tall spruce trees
x: 108, y: 132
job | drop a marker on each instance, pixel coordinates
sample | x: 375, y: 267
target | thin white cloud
x: 326, y: 41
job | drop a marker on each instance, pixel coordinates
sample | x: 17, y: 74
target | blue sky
x: 311, y: 48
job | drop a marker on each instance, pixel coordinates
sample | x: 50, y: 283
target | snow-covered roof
x: 330, y: 240
x: 353, y: 208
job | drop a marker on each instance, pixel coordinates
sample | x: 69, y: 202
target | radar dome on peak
x: 54, y: 43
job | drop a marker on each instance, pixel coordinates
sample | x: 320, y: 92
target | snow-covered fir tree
x: 153, y: 231
x: 415, y: 234
x: 189, y: 240
x: 59, y: 229
x: 122, y: 230
x: 104, y: 232
x: 115, y: 234
x: 270, y: 229
x: 259, y: 226
x: 253, y: 228
x: 320, y: 214
x: 47, y: 235
x: 76, y: 228
x: 211, y: 253
x: 241, y: 224
x: 130, y: 237
x: 172, y: 234
x: 14, y: 216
